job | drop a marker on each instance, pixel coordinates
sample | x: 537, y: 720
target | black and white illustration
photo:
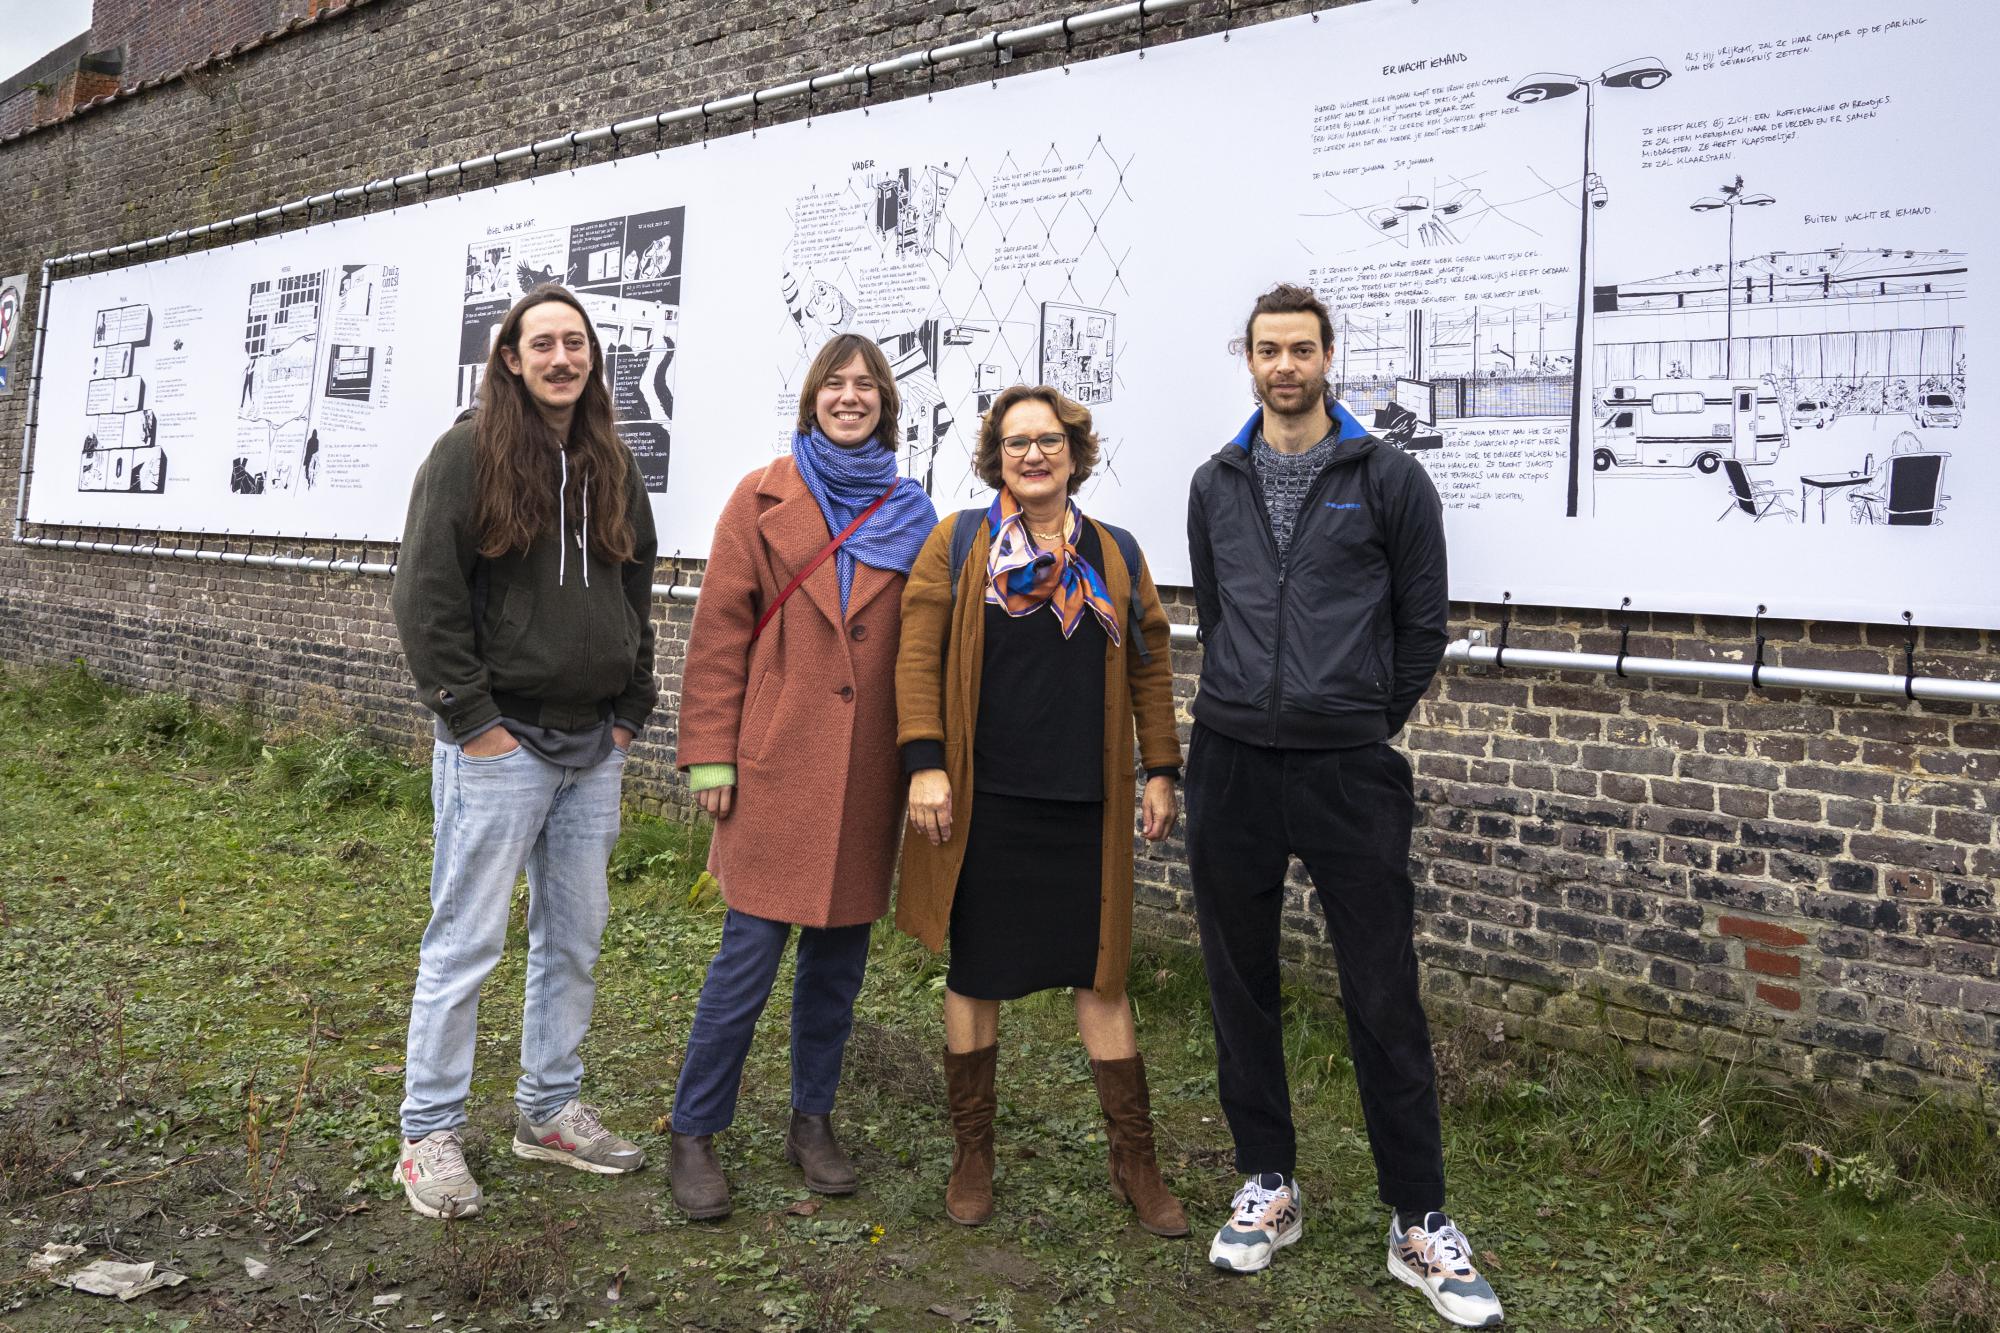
x: 1833, y: 395
x: 121, y: 447
x: 1671, y: 302
x: 626, y: 270
x: 350, y: 372
x: 1651, y: 308
x: 1078, y: 351
x: 973, y: 274
x: 316, y: 368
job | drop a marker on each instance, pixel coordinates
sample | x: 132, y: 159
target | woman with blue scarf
x: 788, y: 737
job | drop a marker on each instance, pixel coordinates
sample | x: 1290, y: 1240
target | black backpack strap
x: 964, y: 527
x: 1128, y: 550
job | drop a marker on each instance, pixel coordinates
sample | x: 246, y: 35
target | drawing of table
x: 1826, y: 483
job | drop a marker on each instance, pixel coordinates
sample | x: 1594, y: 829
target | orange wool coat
x: 807, y: 713
x: 937, y: 698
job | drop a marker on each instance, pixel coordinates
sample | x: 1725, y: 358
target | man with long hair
x: 524, y: 602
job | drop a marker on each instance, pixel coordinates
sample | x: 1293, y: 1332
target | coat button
x: 847, y: 693
x: 858, y: 633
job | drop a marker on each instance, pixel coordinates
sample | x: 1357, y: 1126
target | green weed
x: 170, y: 932
x: 343, y: 769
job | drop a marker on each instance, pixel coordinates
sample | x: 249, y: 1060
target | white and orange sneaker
x: 435, y: 1178
x: 1265, y: 1217
x: 1435, y: 1257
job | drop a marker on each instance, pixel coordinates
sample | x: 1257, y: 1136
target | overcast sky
x: 30, y: 29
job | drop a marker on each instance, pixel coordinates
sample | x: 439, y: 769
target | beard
x: 1314, y: 395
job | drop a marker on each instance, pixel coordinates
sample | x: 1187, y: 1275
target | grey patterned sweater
x: 1285, y: 479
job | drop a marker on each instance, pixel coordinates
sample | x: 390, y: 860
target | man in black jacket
x: 1319, y: 573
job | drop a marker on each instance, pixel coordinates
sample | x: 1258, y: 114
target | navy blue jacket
x: 1333, y: 646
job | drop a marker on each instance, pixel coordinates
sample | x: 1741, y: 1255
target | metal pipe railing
x: 34, y: 402
x: 992, y: 43
x: 1462, y: 653
x: 1466, y: 653
x: 674, y: 592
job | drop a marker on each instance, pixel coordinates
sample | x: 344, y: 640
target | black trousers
x: 1347, y: 815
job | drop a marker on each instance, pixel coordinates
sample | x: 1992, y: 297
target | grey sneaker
x: 1435, y: 1257
x: 575, y: 1137
x: 435, y: 1178
x: 1266, y: 1215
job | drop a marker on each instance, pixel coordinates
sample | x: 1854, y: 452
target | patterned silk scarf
x: 1021, y: 579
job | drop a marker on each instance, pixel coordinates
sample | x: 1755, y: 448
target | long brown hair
x: 514, y: 451
x: 838, y: 351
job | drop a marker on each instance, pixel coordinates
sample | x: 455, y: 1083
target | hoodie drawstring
x: 562, y: 530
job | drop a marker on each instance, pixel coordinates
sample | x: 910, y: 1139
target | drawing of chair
x: 1759, y: 499
x: 1908, y: 492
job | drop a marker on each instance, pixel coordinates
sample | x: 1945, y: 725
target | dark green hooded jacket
x: 552, y: 637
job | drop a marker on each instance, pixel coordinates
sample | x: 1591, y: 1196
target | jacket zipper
x: 1284, y: 565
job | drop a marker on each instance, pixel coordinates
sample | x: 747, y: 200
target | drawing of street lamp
x: 1643, y: 75
x: 1732, y: 199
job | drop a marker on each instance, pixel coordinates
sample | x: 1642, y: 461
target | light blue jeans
x: 495, y: 818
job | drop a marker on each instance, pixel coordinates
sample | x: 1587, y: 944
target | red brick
x: 1778, y: 997
x: 1771, y: 964
x: 1743, y: 927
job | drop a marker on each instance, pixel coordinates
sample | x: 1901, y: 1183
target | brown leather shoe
x: 1135, y: 1175
x: 810, y: 1146
x: 699, y: 1187
x: 968, y: 1197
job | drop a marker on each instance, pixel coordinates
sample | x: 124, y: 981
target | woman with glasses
x: 1032, y: 640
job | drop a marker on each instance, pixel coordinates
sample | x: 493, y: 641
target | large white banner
x: 1670, y: 300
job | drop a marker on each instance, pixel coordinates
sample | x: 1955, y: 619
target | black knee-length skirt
x: 1024, y: 918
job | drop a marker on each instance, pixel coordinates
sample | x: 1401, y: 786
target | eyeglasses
x: 1050, y: 445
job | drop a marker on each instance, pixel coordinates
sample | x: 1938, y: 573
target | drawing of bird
x: 531, y: 278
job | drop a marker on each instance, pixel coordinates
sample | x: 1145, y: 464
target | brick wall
x: 54, y: 85
x: 159, y: 38
x: 1800, y: 882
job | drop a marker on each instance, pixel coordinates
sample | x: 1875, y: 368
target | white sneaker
x: 575, y: 1137
x: 1436, y: 1259
x: 435, y: 1178
x: 1266, y: 1216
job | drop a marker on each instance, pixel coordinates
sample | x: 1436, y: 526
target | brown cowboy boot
x: 968, y: 1197
x: 695, y: 1175
x: 811, y: 1146
x: 1135, y: 1175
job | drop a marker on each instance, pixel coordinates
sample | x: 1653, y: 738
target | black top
x: 1040, y: 732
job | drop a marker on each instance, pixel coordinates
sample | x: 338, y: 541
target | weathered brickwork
x: 157, y: 38
x: 1800, y: 882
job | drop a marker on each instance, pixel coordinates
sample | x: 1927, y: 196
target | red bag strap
x: 820, y: 559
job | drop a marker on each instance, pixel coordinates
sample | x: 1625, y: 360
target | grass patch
x: 343, y: 769
x: 207, y: 941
